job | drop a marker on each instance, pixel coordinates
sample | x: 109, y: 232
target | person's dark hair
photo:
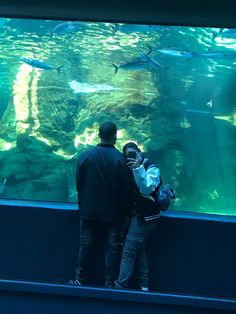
x: 107, y: 131
x: 131, y: 145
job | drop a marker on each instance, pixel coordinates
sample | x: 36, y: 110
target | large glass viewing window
x: 171, y: 89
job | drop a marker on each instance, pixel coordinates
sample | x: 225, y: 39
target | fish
x: 133, y: 65
x: 201, y: 112
x: 226, y: 33
x: 183, y: 102
x: 39, y: 64
x: 136, y: 28
x: 143, y: 63
x: 173, y: 52
x: 153, y: 62
x: 209, y: 103
x: 217, y: 55
x: 66, y: 27
x: 185, y: 124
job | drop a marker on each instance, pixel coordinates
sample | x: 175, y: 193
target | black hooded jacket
x: 103, y: 184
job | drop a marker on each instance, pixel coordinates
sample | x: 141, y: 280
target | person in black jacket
x: 102, y: 182
x: 144, y: 215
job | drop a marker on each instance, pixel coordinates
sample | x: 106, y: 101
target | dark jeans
x: 134, y: 258
x: 90, y: 231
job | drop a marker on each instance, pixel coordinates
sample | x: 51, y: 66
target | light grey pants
x: 134, y: 258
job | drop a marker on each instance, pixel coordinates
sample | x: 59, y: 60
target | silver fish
x: 143, y: 63
x: 66, y: 27
x: 133, y: 65
x: 227, y: 33
x: 152, y: 62
x: 39, y: 64
x: 173, y: 52
x: 218, y: 55
x: 136, y: 28
x: 201, y: 112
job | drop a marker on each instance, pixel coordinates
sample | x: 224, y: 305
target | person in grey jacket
x: 104, y: 193
x: 146, y: 179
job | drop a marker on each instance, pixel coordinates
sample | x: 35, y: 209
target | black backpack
x: 164, y: 196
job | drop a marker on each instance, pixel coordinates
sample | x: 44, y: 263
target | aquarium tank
x: 171, y: 89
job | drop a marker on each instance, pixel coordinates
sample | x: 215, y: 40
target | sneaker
x: 75, y: 282
x: 117, y: 285
x: 144, y: 288
x: 109, y: 285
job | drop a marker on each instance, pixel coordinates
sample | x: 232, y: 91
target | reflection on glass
x: 170, y: 88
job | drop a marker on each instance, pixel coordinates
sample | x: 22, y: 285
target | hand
x: 133, y: 163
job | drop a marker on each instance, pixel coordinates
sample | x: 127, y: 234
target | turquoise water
x: 170, y: 89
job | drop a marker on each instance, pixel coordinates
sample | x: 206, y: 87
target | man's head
x: 108, y: 132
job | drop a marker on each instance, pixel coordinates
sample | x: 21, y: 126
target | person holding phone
x: 146, y: 178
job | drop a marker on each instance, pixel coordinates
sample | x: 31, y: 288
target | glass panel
x: 170, y: 89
